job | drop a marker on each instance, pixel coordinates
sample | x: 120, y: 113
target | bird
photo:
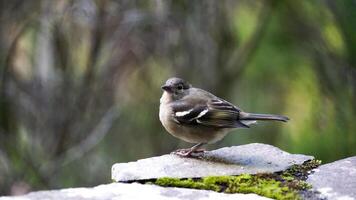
x: 199, y: 117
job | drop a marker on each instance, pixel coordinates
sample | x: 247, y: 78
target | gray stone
x: 336, y: 180
x: 133, y: 191
x: 250, y: 158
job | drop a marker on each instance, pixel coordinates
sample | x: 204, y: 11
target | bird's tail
x: 255, y: 116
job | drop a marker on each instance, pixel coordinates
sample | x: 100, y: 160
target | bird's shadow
x: 239, y: 159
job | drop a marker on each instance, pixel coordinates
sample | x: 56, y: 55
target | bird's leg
x: 188, y: 152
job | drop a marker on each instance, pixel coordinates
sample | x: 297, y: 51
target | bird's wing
x: 214, y: 113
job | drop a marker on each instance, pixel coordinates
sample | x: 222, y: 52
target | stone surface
x: 132, y: 191
x: 250, y: 158
x: 336, y: 180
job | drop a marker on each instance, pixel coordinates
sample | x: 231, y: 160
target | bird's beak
x: 166, y: 88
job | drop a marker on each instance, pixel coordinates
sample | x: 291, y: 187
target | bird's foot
x: 188, y: 152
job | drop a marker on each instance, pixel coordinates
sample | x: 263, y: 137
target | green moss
x: 245, y: 183
x: 283, y: 185
x: 187, y: 183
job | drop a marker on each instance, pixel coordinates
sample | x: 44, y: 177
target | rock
x: 131, y: 191
x: 250, y: 158
x: 336, y: 180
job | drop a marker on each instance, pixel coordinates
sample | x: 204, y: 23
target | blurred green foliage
x: 80, y: 80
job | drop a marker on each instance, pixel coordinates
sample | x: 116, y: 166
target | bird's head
x: 176, y: 87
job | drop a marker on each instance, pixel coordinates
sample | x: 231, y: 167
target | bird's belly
x: 202, y: 135
x: 190, y: 133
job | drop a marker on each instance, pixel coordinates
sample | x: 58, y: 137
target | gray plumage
x: 197, y: 116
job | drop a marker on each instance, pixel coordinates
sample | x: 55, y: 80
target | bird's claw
x: 188, y: 152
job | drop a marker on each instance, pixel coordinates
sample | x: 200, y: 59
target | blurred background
x: 80, y: 80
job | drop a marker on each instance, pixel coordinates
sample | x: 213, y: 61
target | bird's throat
x: 166, y: 98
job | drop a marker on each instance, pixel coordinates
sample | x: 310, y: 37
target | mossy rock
x: 289, y: 184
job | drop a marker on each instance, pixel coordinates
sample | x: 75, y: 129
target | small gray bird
x: 197, y: 116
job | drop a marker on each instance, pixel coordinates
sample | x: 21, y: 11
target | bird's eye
x: 180, y: 87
